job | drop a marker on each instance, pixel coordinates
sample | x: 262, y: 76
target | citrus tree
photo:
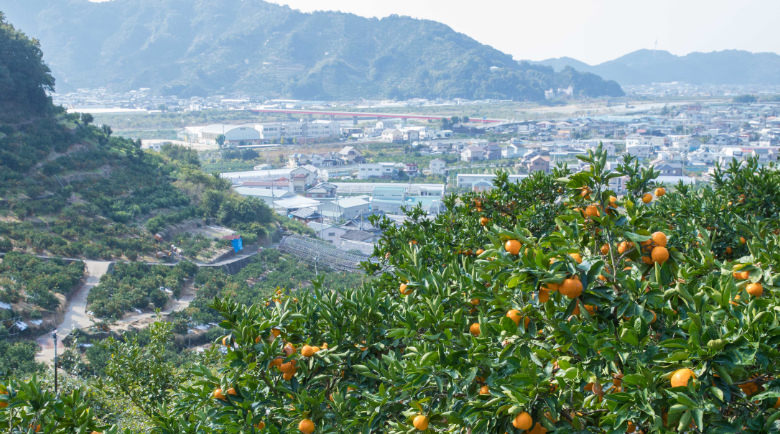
x: 552, y: 304
x: 547, y: 305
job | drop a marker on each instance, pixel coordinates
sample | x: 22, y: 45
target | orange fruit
x: 288, y: 367
x: 512, y: 246
x: 523, y: 421
x: 544, y: 295
x: 484, y: 390
x: 552, y: 287
x: 577, y: 257
x: 625, y: 246
x: 479, y: 252
x: 659, y: 239
x: 659, y: 254
x: 613, y: 201
x: 474, y: 301
x: 741, y: 275
x: 289, y: 349
x: 275, y: 362
x: 749, y: 388
x: 217, y: 394
x: 420, y: 422
x: 226, y: 341
x: 742, y: 240
x: 307, y: 351
x: 591, y: 308
x: 630, y: 427
x: 404, y: 289
x: 592, y: 211
x: 647, y: 260
x: 777, y: 404
x: 571, y: 287
x: 515, y: 316
x: 306, y: 426
x: 680, y: 377
x: 755, y: 289
x: 655, y: 317
x: 232, y: 391
x: 483, y: 220
x: 538, y: 429
x: 660, y: 191
x: 647, y: 198
x: 260, y: 425
x: 288, y: 375
x: 276, y: 332
x: 604, y: 249
x: 474, y: 329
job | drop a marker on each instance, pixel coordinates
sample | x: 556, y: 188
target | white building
x: 438, y: 166
x: 639, y: 146
x: 346, y: 208
x: 511, y: 151
x: 472, y: 153
x: 234, y: 135
x: 377, y: 170
x: 481, y: 181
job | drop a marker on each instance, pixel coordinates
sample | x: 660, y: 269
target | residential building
x: 538, y: 163
x: 438, y: 166
x: 346, y: 208
x: 322, y: 190
x: 377, y: 170
x: 472, y: 153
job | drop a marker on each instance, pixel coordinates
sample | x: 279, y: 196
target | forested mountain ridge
x: 727, y: 67
x: 253, y: 47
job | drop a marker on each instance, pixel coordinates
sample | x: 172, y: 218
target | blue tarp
x: 238, y: 244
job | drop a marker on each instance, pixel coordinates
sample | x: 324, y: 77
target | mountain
x: 200, y: 47
x: 657, y: 66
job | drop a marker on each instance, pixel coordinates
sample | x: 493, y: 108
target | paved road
x: 75, y: 312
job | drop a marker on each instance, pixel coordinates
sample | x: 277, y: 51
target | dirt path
x: 75, y: 312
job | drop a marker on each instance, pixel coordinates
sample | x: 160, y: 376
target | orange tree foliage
x: 599, y: 360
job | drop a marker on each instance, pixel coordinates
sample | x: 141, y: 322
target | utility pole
x: 54, y: 336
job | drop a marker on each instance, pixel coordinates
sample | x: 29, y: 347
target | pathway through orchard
x: 75, y: 312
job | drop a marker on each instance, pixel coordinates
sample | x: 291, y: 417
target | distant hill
x: 655, y: 66
x: 188, y: 47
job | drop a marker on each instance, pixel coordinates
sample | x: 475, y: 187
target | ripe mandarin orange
x: 681, y: 377
x: 523, y: 421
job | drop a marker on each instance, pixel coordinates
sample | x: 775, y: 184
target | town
x: 334, y: 192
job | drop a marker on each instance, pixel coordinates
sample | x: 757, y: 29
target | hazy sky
x: 588, y: 30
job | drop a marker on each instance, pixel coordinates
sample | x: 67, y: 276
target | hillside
x: 252, y: 47
x: 70, y: 189
x: 655, y: 66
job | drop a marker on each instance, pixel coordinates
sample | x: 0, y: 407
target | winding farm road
x: 76, y: 317
x: 75, y: 312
